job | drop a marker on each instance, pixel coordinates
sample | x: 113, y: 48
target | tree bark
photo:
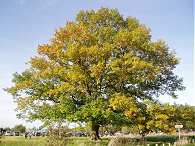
x: 95, y: 131
x: 142, y: 133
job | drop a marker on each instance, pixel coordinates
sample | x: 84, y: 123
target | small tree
x: 57, y: 133
x: 185, y: 115
x: 162, y: 117
x: 6, y: 129
x: 1, y: 134
x: 156, y: 116
x: 20, y: 128
x: 93, y: 69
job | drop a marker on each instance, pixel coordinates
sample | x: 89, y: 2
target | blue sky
x: 26, y: 23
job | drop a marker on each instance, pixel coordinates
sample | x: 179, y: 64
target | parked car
x: 37, y: 133
x: 9, y: 133
x: 118, y: 133
x: 184, y: 131
x: 17, y: 133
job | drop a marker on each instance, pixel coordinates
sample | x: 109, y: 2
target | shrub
x: 121, y: 141
x: 1, y: 136
x: 56, y: 137
x: 163, y: 138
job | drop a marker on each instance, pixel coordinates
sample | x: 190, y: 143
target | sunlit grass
x: 21, y: 141
x: 84, y: 141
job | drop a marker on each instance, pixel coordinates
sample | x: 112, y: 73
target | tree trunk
x: 95, y: 131
x: 142, y: 133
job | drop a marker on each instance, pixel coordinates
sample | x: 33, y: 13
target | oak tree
x: 93, y: 69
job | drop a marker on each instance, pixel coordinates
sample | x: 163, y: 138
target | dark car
x: 38, y: 134
x: 17, y: 133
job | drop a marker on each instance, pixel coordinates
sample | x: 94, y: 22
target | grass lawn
x: 21, y: 141
x: 83, y: 141
x: 86, y: 141
x: 41, y: 141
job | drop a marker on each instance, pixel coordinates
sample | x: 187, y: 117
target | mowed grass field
x: 21, y: 141
x: 42, y: 141
x: 81, y: 141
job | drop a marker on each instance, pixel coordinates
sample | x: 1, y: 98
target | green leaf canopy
x: 96, y: 69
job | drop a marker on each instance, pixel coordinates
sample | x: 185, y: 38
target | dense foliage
x: 20, y: 128
x: 100, y: 69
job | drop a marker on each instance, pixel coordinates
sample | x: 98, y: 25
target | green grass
x: 84, y: 141
x: 41, y: 141
x: 21, y: 141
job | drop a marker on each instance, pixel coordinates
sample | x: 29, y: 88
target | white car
x: 9, y: 133
x: 118, y: 133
